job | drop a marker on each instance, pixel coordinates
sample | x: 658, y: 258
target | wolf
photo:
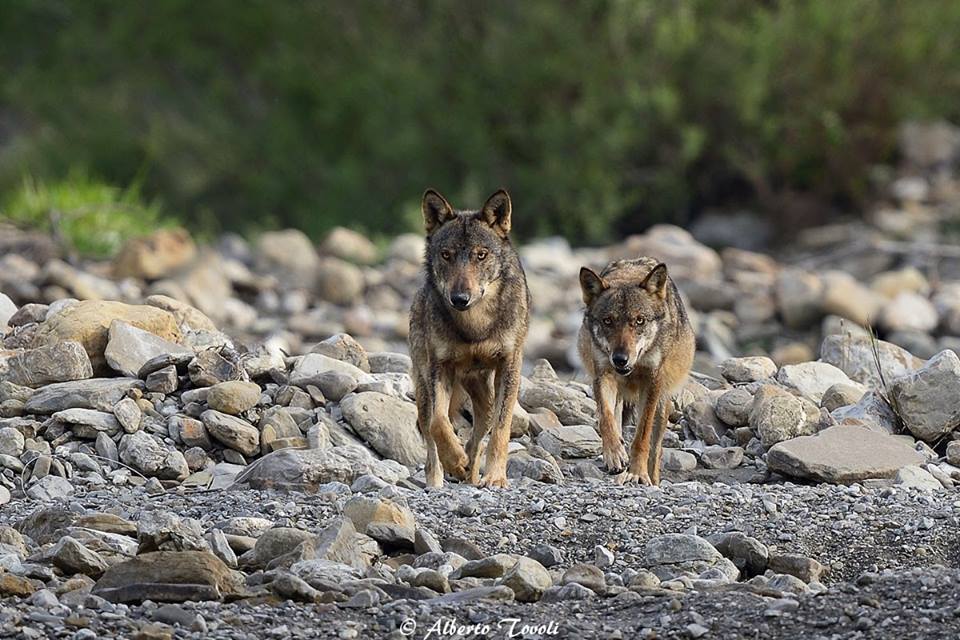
x: 468, y: 325
x: 637, y: 345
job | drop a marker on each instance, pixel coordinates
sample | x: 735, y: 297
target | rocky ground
x: 221, y: 442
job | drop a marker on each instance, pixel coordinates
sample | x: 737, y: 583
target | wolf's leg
x: 656, y: 442
x: 481, y: 393
x: 507, y: 384
x: 448, y: 445
x: 609, y: 403
x: 640, y: 449
x: 433, y: 471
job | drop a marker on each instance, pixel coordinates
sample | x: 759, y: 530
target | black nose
x: 460, y: 300
x: 619, y: 359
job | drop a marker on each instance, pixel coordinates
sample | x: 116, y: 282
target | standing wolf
x: 468, y: 324
x: 637, y: 345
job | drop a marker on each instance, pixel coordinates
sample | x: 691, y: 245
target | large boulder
x: 307, y: 469
x: 854, y: 355
x: 842, y: 454
x: 88, y: 322
x: 290, y: 255
x: 674, y: 554
x: 98, y: 393
x: 60, y: 362
x: 169, y: 576
x: 811, y: 379
x: 926, y: 400
x: 387, y: 424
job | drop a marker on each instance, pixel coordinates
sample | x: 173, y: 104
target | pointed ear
x: 496, y: 212
x: 436, y: 210
x: 591, y: 285
x: 656, y: 281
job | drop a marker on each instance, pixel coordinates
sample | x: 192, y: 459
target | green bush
x: 600, y: 116
x: 93, y: 218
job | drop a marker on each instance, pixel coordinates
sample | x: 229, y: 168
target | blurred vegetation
x: 600, y: 116
x: 91, y: 217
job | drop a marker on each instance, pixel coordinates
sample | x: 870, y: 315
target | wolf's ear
x: 496, y: 212
x: 656, y: 281
x: 591, y: 284
x: 436, y: 210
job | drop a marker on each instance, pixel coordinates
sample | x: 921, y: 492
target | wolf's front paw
x: 498, y: 481
x: 615, y: 458
x: 631, y: 477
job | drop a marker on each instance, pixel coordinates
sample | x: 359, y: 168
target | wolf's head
x: 465, y: 254
x: 624, y: 319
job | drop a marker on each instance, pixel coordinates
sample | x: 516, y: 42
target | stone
x: 577, y: 441
x: 129, y: 348
x: 164, y: 531
x: 220, y: 546
x: 916, y: 477
x: 163, y: 381
x: 841, y: 394
x: 846, y: 297
x: 169, y: 576
x: 528, y: 579
x: 233, y: 397
x: 128, y: 414
x: 100, y: 394
x: 748, y: 554
x: 338, y: 281
x: 290, y: 255
x: 387, y: 362
x: 677, y: 460
x: 953, y: 453
x: 72, y: 557
x: 926, y: 399
x: 60, y: 362
x: 87, y: 423
x: 154, y: 256
x: 854, y: 355
x: 546, y: 555
x: 842, y: 454
x: 806, y: 569
x: 7, y: 310
x: 278, y: 429
x: 674, y: 554
x: 365, y: 512
x: 909, y: 312
x: 493, y: 566
x: 748, y: 369
x: 142, y: 452
x: 798, y: 295
x: 715, y: 457
x: 232, y: 432
x: 50, y: 489
x: 11, y: 442
x: 776, y: 415
x: 275, y: 543
x: 733, y: 407
x: 703, y: 421
x: 387, y: 424
x: 209, y: 367
x: 308, y: 469
x: 349, y: 245
x: 345, y: 348
x: 13, y: 585
x: 88, y: 322
x: 811, y: 379
x: 585, y: 575
x: 571, y: 406
x: 188, y: 317
x: 312, y: 365
x: 871, y: 411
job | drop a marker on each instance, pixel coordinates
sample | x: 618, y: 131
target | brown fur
x: 637, y: 345
x: 468, y: 324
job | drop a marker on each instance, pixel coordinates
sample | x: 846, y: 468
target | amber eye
x: 608, y: 321
x: 640, y: 321
x: 481, y: 254
x: 445, y: 254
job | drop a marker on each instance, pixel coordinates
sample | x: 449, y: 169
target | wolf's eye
x: 445, y: 254
x: 481, y: 254
x: 641, y: 321
x: 608, y: 321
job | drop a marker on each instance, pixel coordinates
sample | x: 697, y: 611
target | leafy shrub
x: 600, y: 116
x: 92, y: 217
